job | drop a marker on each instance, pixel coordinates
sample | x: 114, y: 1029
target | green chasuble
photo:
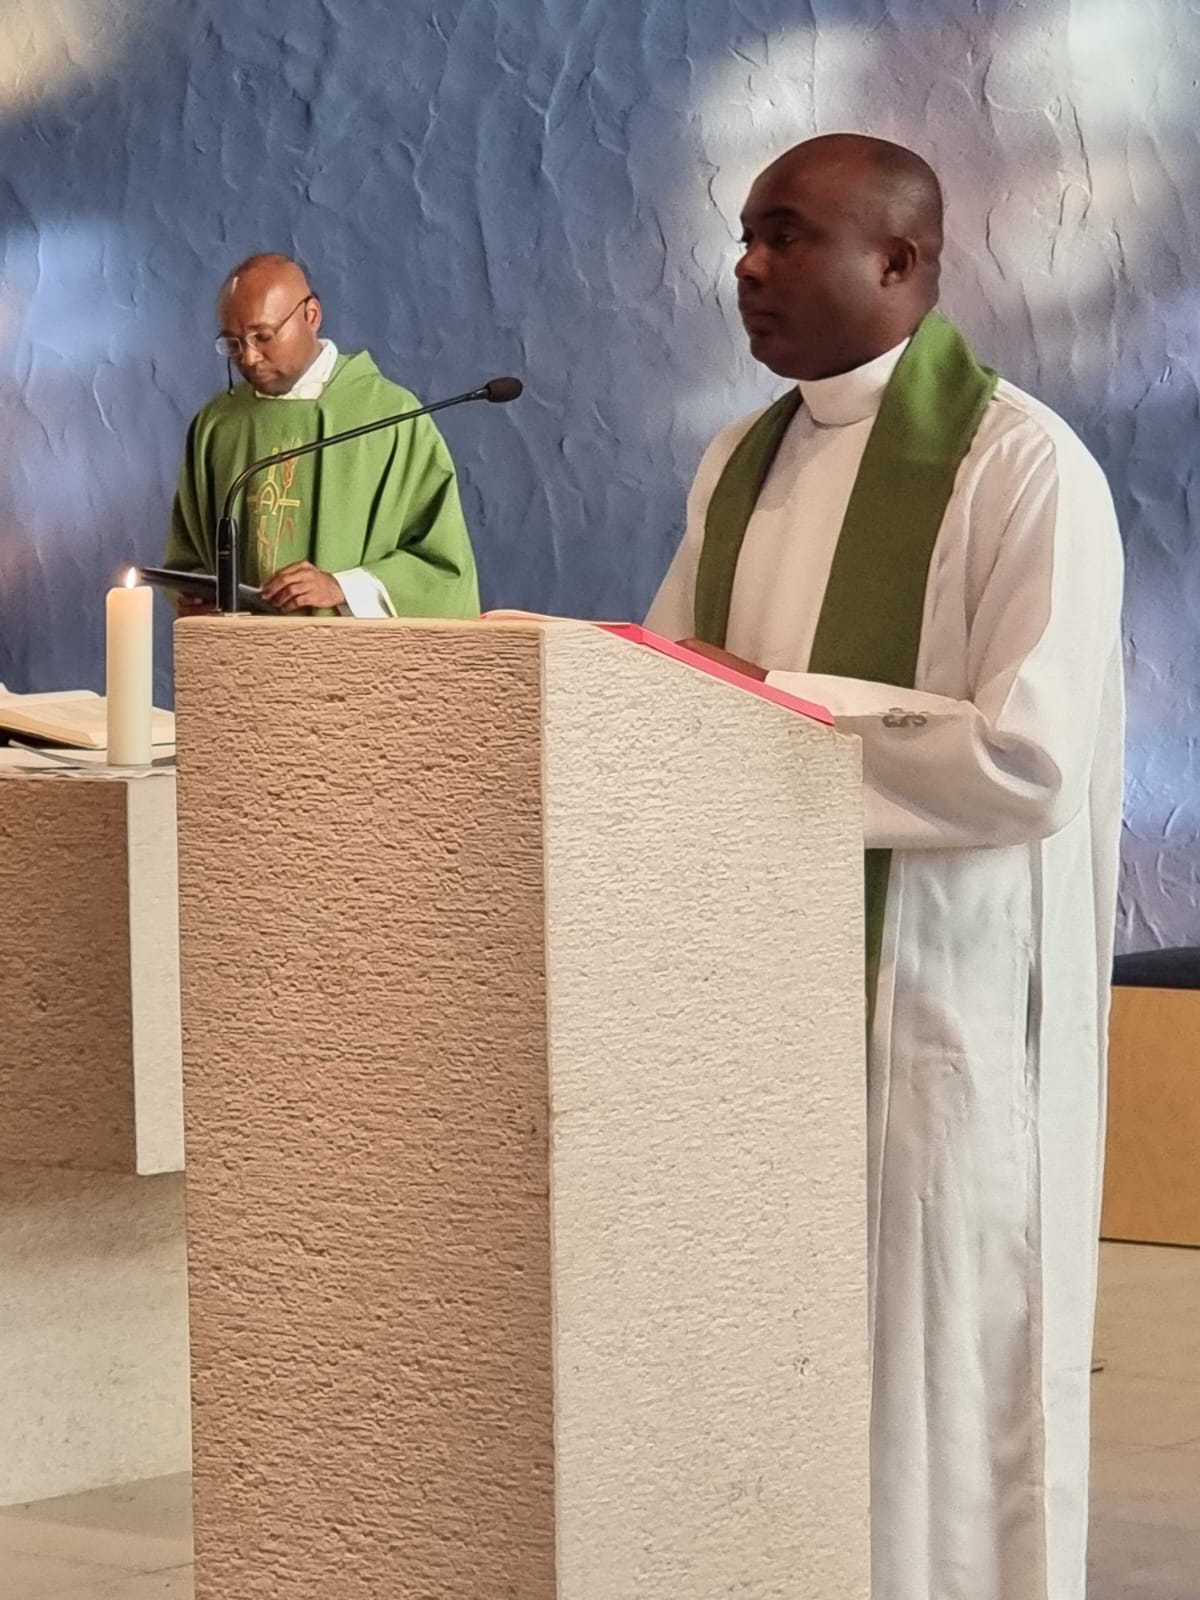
x: 387, y: 502
x: 870, y: 621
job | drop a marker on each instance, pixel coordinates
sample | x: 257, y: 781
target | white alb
x: 997, y: 782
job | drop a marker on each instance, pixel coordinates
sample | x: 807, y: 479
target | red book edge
x: 691, y: 658
x: 635, y: 634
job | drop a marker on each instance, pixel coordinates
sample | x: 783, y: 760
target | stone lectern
x: 523, y: 1062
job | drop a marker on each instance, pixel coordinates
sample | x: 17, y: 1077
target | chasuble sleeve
x: 1012, y: 763
x: 429, y: 571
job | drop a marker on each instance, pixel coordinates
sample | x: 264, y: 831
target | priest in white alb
x: 934, y: 556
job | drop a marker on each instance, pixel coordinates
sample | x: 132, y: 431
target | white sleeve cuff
x: 364, y: 595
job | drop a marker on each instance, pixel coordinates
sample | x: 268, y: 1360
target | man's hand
x: 302, y: 587
x: 193, y: 605
x: 724, y: 658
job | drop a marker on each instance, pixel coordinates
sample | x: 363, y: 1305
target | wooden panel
x: 1152, y: 1182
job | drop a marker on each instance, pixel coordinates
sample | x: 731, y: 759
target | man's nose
x: 249, y: 358
x: 750, y: 266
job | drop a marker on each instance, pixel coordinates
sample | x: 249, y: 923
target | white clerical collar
x: 309, y: 384
x: 851, y: 396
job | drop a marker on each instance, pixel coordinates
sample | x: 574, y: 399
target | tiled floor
x: 136, y: 1543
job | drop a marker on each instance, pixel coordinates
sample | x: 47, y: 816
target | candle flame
x: 131, y: 578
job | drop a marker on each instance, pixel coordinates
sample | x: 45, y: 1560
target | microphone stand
x: 228, y: 541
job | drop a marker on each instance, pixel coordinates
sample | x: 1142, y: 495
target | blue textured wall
x: 551, y: 187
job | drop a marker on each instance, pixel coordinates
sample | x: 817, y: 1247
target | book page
x: 541, y: 616
x: 75, y: 717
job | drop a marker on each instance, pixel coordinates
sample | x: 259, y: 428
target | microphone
x: 499, y: 391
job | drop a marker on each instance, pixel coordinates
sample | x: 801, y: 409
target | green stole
x: 870, y: 621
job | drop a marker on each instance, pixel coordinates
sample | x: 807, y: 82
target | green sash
x: 870, y: 622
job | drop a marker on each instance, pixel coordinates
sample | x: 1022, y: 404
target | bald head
x: 262, y: 272
x: 895, y: 191
x: 843, y: 238
x: 267, y: 312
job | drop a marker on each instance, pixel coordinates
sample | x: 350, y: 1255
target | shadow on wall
x: 553, y: 189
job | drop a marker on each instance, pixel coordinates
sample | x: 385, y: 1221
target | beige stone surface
x: 90, y: 1073
x: 93, y: 1331
x: 93, y: 1303
x: 154, y: 974
x: 364, y: 1006
x: 501, y: 1289
x: 1145, y: 1501
x: 66, y: 1038
x: 705, y: 978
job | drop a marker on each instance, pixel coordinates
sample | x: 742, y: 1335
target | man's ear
x: 312, y: 314
x: 900, y: 262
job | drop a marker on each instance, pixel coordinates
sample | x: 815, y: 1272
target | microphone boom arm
x: 227, y: 564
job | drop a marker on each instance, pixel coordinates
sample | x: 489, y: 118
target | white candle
x: 129, y: 613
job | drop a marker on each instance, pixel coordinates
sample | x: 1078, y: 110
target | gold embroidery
x: 275, y: 517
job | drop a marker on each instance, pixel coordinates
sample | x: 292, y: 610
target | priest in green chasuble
x: 369, y: 528
x: 934, y: 556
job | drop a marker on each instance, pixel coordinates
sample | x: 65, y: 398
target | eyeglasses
x: 231, y: 347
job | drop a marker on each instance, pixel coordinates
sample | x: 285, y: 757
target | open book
x: 74, y: 717
x: 541, y: 616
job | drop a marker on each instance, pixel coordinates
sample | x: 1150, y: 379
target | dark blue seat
x: 1158, y: 969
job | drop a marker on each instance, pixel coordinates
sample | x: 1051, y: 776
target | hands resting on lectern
x: 726, y: 658
x: 300, y: 587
